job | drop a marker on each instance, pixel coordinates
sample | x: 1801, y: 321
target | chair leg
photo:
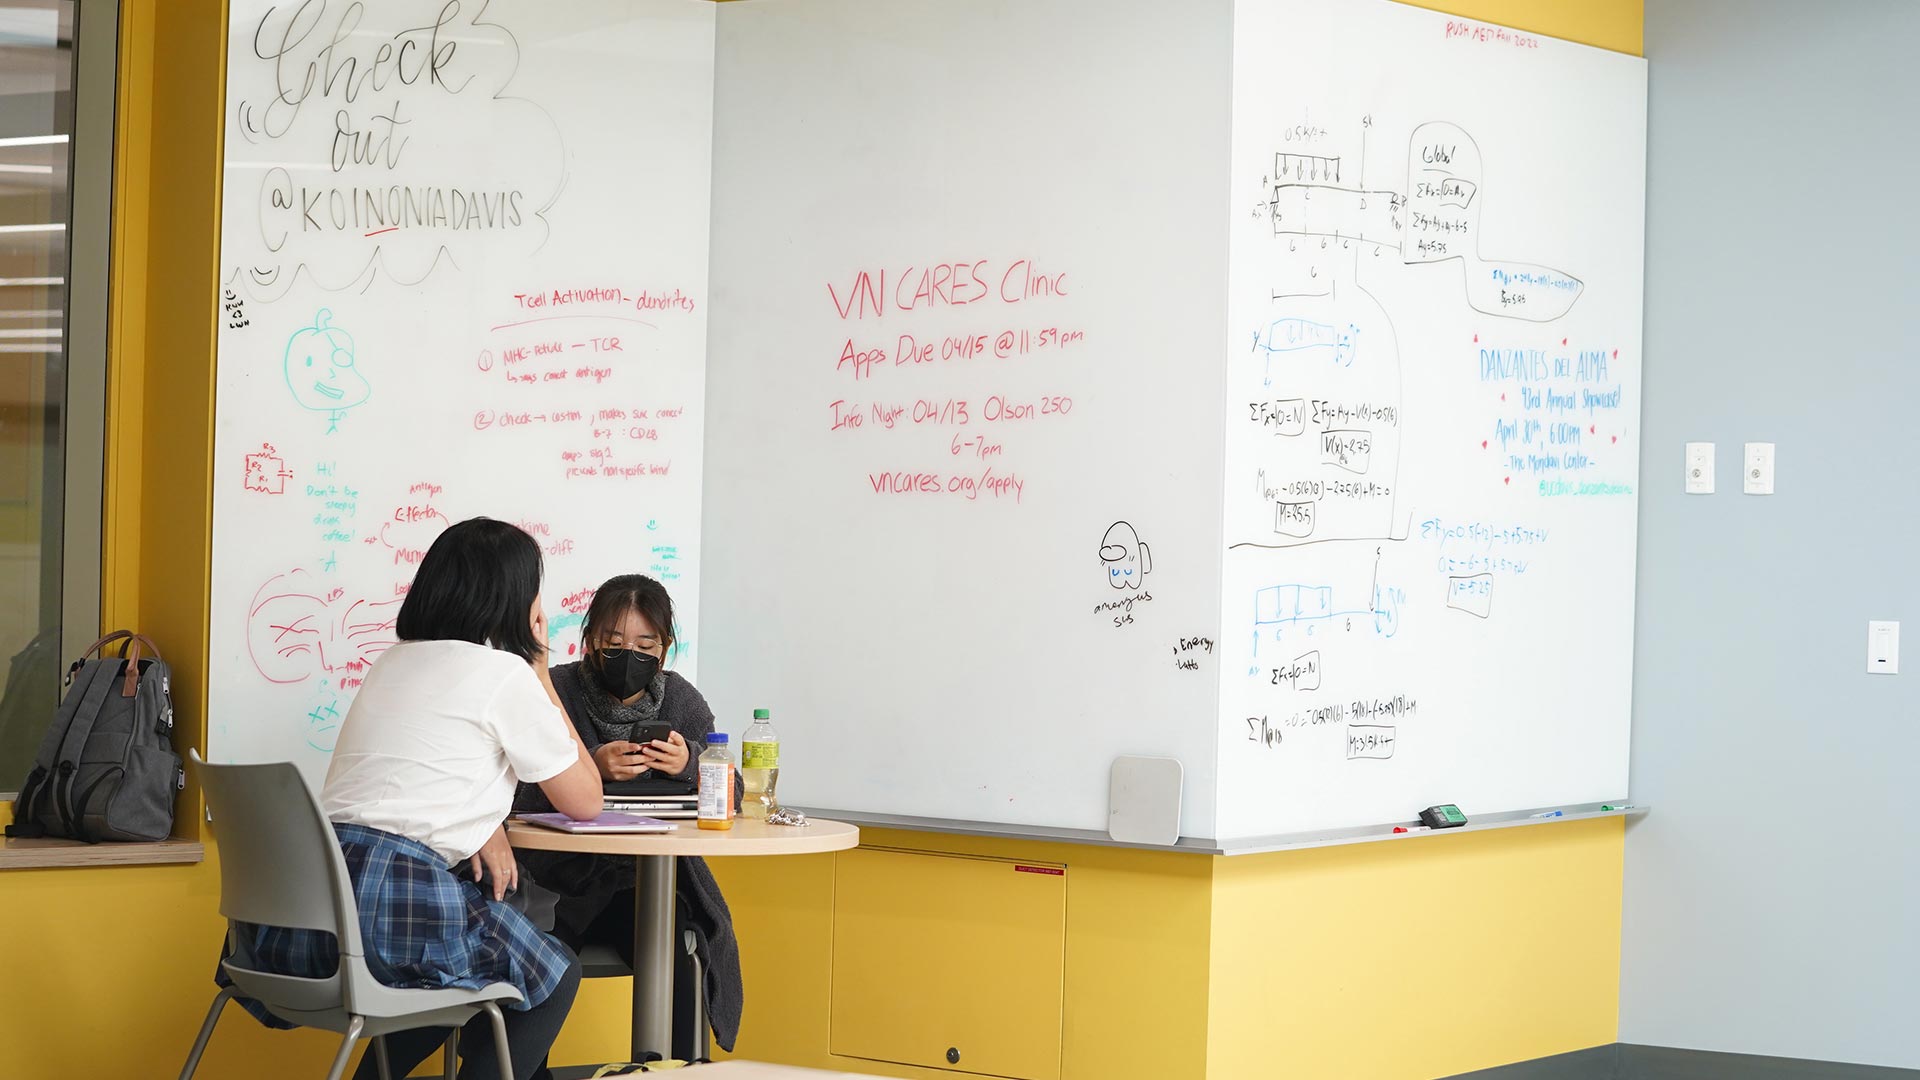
x: 500, y: 1040
x: 453, y: 1054
x: 380, y: 1057
x: 346, y: 1048
x: 206, y: 1032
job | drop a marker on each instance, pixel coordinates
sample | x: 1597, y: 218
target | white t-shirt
x: 435, y: 741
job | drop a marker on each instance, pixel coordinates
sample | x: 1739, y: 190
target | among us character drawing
x: 1127, y: 560
x: 320, y: 371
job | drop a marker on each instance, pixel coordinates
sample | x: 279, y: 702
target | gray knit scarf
x: 611, y: 720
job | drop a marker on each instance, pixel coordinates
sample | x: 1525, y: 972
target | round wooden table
x: 653, y: 902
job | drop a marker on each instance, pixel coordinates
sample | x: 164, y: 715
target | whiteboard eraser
x: 1143, y: 800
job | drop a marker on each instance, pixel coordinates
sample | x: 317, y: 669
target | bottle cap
x: 762, y: 714
x: 717, y: 738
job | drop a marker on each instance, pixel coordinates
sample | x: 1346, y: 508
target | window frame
x: 96, y: 69
x: 78, y: 507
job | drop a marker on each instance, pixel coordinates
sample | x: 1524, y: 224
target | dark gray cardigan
x: 587, y: 884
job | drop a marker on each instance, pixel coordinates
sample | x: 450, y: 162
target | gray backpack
x: 106, y: 768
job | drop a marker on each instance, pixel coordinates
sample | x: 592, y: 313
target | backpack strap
x: 26, y: 806
x: 80, y: 722
x: 80, y: 803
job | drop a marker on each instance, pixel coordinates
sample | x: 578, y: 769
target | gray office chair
x: 280, y: 865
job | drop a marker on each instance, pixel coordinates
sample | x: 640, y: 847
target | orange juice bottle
x: 716, y: 784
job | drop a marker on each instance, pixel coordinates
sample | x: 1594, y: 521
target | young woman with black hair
x: 423, y: 776
x: 623, y: 682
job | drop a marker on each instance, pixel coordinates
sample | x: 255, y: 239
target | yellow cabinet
x: 949, y: 962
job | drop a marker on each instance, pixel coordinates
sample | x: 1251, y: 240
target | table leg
x: 653, y: 904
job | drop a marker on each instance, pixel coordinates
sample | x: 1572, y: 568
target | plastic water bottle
x: 759, y: 765
x: 716, y: 784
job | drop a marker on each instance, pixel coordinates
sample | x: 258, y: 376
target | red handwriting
x: 599, y: 462
x: 863, y: 359
x: 638, y: 300
x: 560, y: 374
x: 543, y: 534
x: 947, y: 284
x: 1484, y: 34
x: 844, y: 415
x: 411, y: 527
x: 605, y: 423
x: 970, y: 486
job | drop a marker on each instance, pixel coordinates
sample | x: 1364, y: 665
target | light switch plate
x: 1756, y: 477
x: 1699, y: 475
x: 1883, y: 648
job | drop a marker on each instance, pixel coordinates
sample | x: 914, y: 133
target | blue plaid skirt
x: 423, y: 925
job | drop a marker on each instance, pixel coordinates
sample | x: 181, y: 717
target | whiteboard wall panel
x: 464, y: 254
x: 1432, y: 441
x: 967, y: 319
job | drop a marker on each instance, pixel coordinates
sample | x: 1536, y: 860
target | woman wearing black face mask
x: 622, y: 683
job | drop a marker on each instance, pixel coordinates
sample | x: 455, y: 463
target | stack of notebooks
x: 654, y: 796
x: 664, y: 807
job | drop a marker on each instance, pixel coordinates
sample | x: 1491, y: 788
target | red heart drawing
x: 1476, y: 339
x: 1616, y: 438
x: 1563, y: 341
x: 1503, y: 397
x: 1508, y: 480
x: 1483, y: 444
x: 1593, y: 429
x: 1616, y: 354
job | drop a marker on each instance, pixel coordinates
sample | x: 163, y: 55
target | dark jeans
x: 613, y: 927
x: 530, y: 1034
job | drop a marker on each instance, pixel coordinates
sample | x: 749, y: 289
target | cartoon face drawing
x: 1127, y: 560
x: 323, y: 718
x: 319, y: 368
x: 298, y: 629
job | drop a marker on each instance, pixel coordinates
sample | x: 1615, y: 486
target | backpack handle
x: 130, y: 644
x: 117, y: 635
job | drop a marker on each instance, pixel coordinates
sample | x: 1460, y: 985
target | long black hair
x: 630, y: 592
x: 477, y: 583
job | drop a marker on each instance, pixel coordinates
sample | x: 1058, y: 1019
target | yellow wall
x: 1174, y: 960
x: 1136, y: 971
x: 1327, y: 962
x: 1310, y: 963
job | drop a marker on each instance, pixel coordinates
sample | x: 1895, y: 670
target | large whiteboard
x: 1432, y: 437
x: 465, y: 267
x: 1252, y: 383
x: 970, y: 262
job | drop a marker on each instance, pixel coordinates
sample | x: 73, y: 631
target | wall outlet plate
x: 1699, y: 463
x: 1756, y: 477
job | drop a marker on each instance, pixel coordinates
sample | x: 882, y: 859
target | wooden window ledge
x: 17, y: 854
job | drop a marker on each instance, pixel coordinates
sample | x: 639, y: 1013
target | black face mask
x: 625, y: 672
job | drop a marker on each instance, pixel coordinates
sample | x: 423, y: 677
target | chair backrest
x: 280, y: 863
